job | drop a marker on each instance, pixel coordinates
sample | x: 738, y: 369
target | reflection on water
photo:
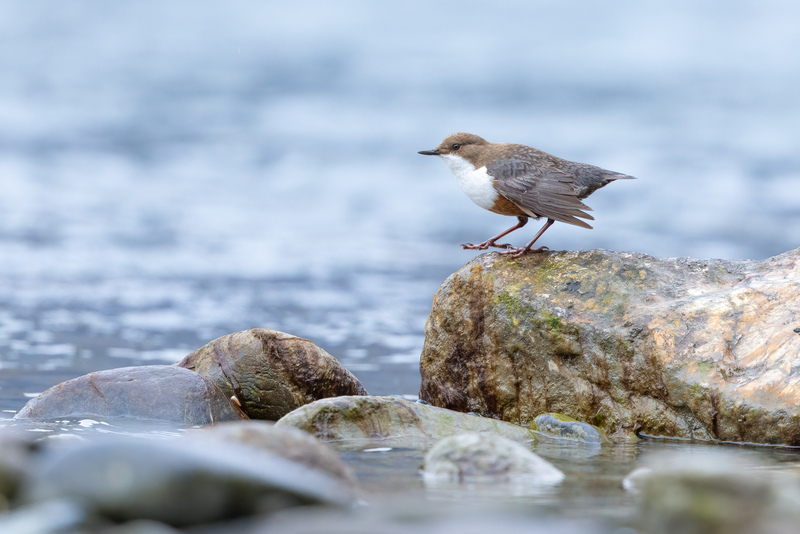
x: 90, y: 428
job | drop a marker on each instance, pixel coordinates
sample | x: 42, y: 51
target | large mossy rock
x: 632, y: 343
x: 271, y: 373
x: 159, y: 392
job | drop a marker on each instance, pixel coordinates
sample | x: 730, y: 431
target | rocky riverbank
x: 575, y: 355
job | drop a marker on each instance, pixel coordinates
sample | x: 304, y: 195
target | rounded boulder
x: 271, y: 373
x: 159, y: 392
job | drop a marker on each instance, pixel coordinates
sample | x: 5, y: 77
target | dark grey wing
x: 540, y: 189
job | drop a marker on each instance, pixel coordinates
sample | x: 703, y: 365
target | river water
x: 173, y: 172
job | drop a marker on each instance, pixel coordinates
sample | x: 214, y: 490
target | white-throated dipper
x: 521, y: 181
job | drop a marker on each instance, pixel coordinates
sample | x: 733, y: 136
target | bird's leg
x: 517, y: 252
x: 491, y: 242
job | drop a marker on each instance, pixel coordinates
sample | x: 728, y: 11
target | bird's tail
x: 610, y: 176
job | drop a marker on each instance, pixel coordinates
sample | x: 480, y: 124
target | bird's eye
x: 456, y: 146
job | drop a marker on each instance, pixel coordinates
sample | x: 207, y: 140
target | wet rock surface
x: 271, y: 373
x: 158, y: 392
x: 719, y: 492
x: 177, y: 482
x: 15, y: 460
x: 625, y: 341
x: 392, y: 421
x: 285, y: 441
x: 257, y: 477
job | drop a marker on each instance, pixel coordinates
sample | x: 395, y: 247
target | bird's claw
x: 485, y: 245
x: 521, y: 251
x: 514, y: 252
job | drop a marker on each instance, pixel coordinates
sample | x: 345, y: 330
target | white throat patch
x: 476, y: 183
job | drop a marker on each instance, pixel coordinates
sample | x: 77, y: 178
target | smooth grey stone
x: 485, y: 456
x: 285, y: 441
x: 716, y: 490
x: 178, y: 482
x: 51, y: 517
x: 556, y: 425
x: 162, y: 392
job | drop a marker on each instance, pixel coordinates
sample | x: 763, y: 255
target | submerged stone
x: 270, y: 373
x: 557, y: 425
x: 625, y: 341
x: 160, y: 392
x: 392, y: 421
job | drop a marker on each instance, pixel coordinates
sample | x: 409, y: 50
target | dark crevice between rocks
x: 222, y: 362
x: 713, y: 397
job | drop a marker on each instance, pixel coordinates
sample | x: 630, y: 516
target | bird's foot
x: 484, y: 245
x: 516, y: 252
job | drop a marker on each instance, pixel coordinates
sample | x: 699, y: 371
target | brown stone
x: 271, y: 373
x: 628, y: 342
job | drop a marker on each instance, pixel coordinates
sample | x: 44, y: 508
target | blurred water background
x: 171, y: 172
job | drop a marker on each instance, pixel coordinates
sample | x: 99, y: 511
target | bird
x: 521, y: 181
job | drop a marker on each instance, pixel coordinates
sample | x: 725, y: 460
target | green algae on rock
x: 625, y: 341
x: 271, y: 373
x: 392, y: 421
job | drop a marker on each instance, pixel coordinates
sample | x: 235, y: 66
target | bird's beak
x: 433, y: 152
